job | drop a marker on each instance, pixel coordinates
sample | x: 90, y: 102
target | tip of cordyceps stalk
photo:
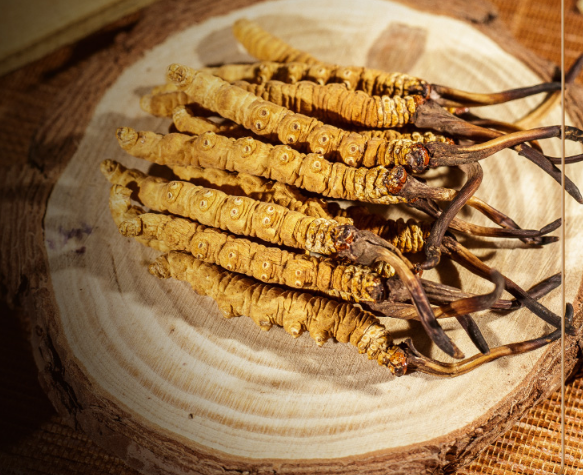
x: 108, y: 168
x: 126, y: 136
x: 160, y: 268
x: 178, y: 74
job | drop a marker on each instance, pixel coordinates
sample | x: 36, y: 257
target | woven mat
x: 35, y: 440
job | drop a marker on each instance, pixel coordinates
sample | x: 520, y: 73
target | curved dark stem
x: 416, y: 360
x: 450, y: 97
x: 433, y: 243
x: 536, y: 291
x: 473, y: 331
x: 505, y: 127
x: 505, y: 221
x: 441, y: 294
x: 510, y: 228
x: 460, y: 309
x: 539, y: 159
x: 366, y: 248
x: 468, y: 260
x: 568, y: 160
x: 444, y: 154
x: 463, y: 307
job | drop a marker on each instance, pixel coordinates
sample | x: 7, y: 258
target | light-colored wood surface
x: 33, y: 28
x: 166, y: 355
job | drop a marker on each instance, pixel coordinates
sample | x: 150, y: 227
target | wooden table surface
x: 35, y: 440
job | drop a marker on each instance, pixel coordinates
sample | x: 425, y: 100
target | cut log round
x: 153, y: 373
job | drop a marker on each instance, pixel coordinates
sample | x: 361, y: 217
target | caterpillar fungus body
x: 267, y: 264
x: 276, y: 122
x: 267, y: 47
x: 240, y: 215
x: 407, y: 236
x: 296, y: 312
x: 280, y: 163
x: 334, y: 102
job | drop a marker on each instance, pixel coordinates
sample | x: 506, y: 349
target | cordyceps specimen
x: 268, y: 264
x: 269, y: 305
x: 276, y: 266
x: 268, y: 222
x: 281, y: 163
x: 407, y: 236
x: 275, y: 121
x: 267, y: 47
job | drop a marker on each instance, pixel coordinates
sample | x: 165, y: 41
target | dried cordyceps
x: 336, y: 103
x: 371, y: 81
x: 185, y: 120
x: 296, y: 312
x: 258, y: 188
x: 268, y: 264
x: 267, y: 47
x: 271, y: 223
x: 323, y: 319
x: 240, y: 215
x: 281, y: 163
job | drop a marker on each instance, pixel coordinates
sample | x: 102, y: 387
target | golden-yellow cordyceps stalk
x: 296, y: 312
x: 186, y: 121
x: 406, y: 236
x: 240, y: 215
x: 354, y: 78
x: 396, y: 145
x: 336, y: 103
x: 267, y: 47
x: 258, y: 188
x: 268, y: 264
x: 280, y: 163
x: 279, y: 123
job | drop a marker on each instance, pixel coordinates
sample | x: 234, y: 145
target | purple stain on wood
x: 75, y: 233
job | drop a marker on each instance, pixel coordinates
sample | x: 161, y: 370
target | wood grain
x: 69, y: 235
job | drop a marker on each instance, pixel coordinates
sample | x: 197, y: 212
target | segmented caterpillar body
x: 275, y: 122
x: 355, y: 78
x: 407, y: 236
x: 267, y: 47
x: 240, y: 215
x: 267, y: 264
x: 296, y: 312
x: 334, y: 102
x: 186, y: 121
x: 280, y: 163
x: 258, y: 188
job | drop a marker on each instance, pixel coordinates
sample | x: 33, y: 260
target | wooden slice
x: 153, y: 373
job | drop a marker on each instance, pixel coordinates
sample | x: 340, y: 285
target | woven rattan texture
x: 35, y: 440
